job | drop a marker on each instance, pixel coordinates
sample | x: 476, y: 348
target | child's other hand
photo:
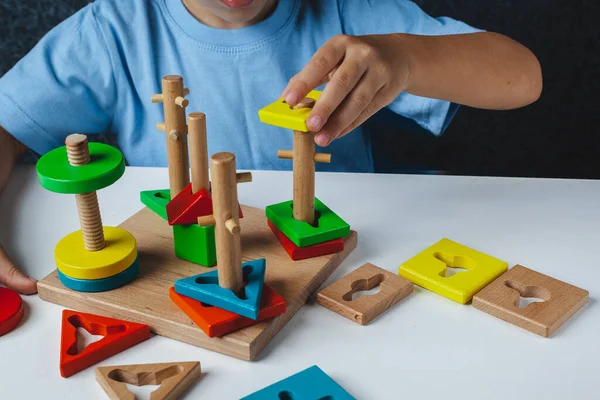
x: 363, y: 75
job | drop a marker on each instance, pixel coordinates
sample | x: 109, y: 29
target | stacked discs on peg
x: 95, y: 258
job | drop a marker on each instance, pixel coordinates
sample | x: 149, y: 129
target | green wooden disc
x: 57, y: 175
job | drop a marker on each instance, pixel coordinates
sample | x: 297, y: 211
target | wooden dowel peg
x: 198, y: 151
x: 161, y: 126
x: 286, y: 154
x: 225, y: 211
x: 304, y: 176
x: 243, y: 177
x: 305, y: 103
x: 186, y: 91
x: 174, y: 135
x: 206, y: 220
x: 182, y: 102
x: 157, y: 98
x: 322, y: 158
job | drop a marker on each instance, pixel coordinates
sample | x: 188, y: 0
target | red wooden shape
x: 300, y: 253
x: 118, y: 336
x: 11, y: 310
x: 217, y: 322
x: 186, y: 207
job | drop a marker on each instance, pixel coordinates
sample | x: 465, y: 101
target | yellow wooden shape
x: 73, y: 260
x: 428, y: 269
x: 280, y: 114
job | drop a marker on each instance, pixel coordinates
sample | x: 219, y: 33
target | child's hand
x: 363, y: 75
x: 11, y: 277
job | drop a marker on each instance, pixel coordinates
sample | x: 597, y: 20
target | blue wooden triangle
x: 205, y: 288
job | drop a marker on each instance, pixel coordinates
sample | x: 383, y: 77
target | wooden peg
x: 173, y: 378
x: 206, y: 220
x: 198, y: 151
x: 177, y: 151
x: 319, y: 157
x: 174, y: 135
x: 307, y: 102
x: 226, y: 215
x: 157, y: 98
x: 244, y: 177
x: 161, y: 126
x: 182, y: 102
x: 186, y: 92
x: 304, y: 177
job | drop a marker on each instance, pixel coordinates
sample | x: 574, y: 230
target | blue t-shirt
x: 96, y: 72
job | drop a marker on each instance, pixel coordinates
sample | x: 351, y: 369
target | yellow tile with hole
x: 428, y: 270
x: 279, y: 113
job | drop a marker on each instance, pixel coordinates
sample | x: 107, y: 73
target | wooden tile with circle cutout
x: 338, y: 296
x: 560, y: 300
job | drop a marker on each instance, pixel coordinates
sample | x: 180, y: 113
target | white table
x: 425, y: 347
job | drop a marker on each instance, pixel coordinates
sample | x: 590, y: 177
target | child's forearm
x: 482, y: 70
x: 10, y: 151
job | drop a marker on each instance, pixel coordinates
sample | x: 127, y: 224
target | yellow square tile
x: 427, y: 269
x: 280, y: 114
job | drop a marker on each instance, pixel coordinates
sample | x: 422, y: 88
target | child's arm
x: 10, y: 151
x: 366, y: 73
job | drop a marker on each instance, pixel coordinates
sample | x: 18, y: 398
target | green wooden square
x: 157, y: 201
x: 329, y: 225
x: 195, y: 244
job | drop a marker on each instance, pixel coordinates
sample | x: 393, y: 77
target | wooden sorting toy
x: 94, y: 252
x: 560, y: 300
x: 301, y: 253
x: 156, y: 200
x: 11, y: 310
x: 175, y: 127
x: 338, y: 297
x: 216, y: 322
x: 305, y: 220
x: 195, y: 244
x: 173, y: 378
x: 310, y: 384
x: 428, y: 270
x: 118, y: 336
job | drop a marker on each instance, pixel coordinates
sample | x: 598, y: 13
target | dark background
x: 556, y: 137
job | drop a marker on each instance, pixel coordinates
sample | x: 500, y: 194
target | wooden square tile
x: 501, y: 299
x: 338, y: 296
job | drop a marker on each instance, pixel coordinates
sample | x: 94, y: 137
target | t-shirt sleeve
x: 366, y: 17
x: 64, y: 85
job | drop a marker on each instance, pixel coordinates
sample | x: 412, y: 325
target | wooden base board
x: 146, y: 299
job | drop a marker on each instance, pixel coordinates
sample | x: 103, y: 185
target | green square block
x: 157, y: 201
x: 195, y: 244
x: 330, y: 226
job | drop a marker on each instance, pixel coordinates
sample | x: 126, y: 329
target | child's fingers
x: 341, y: 84
x: 360, y: 99
x: 368, y: 112
x: 320, y: 65
x: 11, y: 277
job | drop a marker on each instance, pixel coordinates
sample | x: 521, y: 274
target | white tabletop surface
x: 425, y: 347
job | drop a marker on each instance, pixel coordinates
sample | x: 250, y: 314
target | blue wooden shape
x: 205, y: 288
x: 100, y: 285
x: 310, y: 384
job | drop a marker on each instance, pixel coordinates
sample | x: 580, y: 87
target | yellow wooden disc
x: 73, y: 260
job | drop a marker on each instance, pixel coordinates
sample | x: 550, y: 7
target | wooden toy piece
x: 11, y: 310
x: 55, y: 172
x: 428, y: 269
x: 198, y: 152
x: 118, y: 336
x: 560, y: 300
x: 338, y: 296
x: 216, y: 322
x: 331, y: 226
x: 76, y: 262
x: 156, y: 200
x: 187, y: 206
x: 195, y: 244
x: 310, y: 384
x: 173, y: 378
x: 225, y: 218
x: 146, y: 299
x: 101, y: 285
x: 175, y: 127
x: 206, y: 288
x: 280, y: 114
x: 301, y: 253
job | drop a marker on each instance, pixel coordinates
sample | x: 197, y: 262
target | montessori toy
x: 174, y: 378
x: 11, y: 310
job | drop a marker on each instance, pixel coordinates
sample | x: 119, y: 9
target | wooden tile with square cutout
x: 560, y: 300
x: 146, y: 299
x: 338, y: 296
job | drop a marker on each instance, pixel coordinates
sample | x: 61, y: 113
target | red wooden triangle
x: 118, y: 336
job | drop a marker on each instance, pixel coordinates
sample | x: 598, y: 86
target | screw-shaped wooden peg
x: 78, y: 154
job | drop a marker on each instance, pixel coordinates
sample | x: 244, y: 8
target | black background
x: 556, y: 137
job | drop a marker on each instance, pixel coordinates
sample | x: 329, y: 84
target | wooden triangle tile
x: 173, y: 378
x: 118, y: 336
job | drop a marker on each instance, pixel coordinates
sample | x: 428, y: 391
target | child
x: 97, y: 71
